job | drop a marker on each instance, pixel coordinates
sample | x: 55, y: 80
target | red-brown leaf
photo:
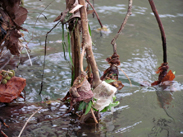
x: 169, y: 76
x: 11, y: 90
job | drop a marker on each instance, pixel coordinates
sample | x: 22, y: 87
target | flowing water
x: 142, y: 112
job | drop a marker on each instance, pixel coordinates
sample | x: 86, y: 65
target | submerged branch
x: 45, y: 57
x: 28, y: 121
x: 161, y: 30
x: 113, y: 42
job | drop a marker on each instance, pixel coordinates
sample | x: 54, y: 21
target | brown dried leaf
x: 11, y: 90
x: 169, y: 76
x: 90, y: 11
x: 20, y: 16
x: 13, y: 43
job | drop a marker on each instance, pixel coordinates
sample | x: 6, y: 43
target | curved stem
x: 161, y: 30
x: 95, y: 13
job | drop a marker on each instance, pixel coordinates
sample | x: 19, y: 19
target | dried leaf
x: 20, y: 16
x: 11, y: 90
x: 90, y: 11
x: 13, y: 43
x: 78, y: 6
x: 169, y: 76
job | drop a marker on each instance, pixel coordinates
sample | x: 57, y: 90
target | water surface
x: 143, y: 111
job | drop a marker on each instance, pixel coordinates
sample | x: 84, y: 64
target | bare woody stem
x: 161, y: 30
x: 113, y: 42
x: 87, y: 44
x: 95, y: 13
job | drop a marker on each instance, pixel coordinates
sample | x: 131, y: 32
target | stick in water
x: 28, y: 121
x: 161, y: 30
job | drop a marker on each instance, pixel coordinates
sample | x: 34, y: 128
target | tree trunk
x: 87, y: 44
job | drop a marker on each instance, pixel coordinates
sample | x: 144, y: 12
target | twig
x: 6, y: 62
x: 3, y: 134
x: 94, y: 116
x: 45, y: 56
x: 113, y: 42
x: 161, y: 30
x: 39, y: 16
x: 28, y: 121
x: 125, y: 75
x: 95, y: 13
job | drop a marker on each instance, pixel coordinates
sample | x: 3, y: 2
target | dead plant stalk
x: 87, y: 44
x: 161, y: 30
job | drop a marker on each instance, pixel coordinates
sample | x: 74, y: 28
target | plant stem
x: 161, y: 30
x: 87, y: 43
x: 95, y: 13
x: 75, y: 43
x: 113, y: 42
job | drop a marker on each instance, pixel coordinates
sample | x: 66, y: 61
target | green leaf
x: 105, y: 109
x: 114, y: 98
x: 114, y: 104
x: 109, y: 80
x: 110, y: 106
x: 75, y: 24
x: 82, y: 105
x: 64, y: 46
x: 67, y: 17
x: 88, y: 107
x: 69, y: 47
x: 89, y: 29
x: 63, y: 42
x: 95, y: 109
x: 62, y: 32
x: 94, y: 99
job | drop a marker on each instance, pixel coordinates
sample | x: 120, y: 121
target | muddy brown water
x: 142, y: 112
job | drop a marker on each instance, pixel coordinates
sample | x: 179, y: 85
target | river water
x: 143, y: 111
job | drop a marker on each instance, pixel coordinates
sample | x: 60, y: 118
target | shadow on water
x: 142, y: 112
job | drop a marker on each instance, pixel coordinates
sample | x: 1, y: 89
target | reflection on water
x: 143, y: 111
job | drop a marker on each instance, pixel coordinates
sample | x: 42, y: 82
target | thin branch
x: 113, y: 42
x: 6, y: 62
x: 95, y: 13
x: 45, y: 56
x: 94, y: 116
x: 161, y: 30
x: 28, y: 121
x: 125, y: 75
x: 4, y: 135
x: 41, y: 13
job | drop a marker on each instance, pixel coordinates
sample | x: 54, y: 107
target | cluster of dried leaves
x: 163, y: 75
x: 112, y: 72
x: 12, y: 16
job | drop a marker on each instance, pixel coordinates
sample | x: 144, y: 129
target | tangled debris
x: 112, y: 72
x: 12, y: 16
